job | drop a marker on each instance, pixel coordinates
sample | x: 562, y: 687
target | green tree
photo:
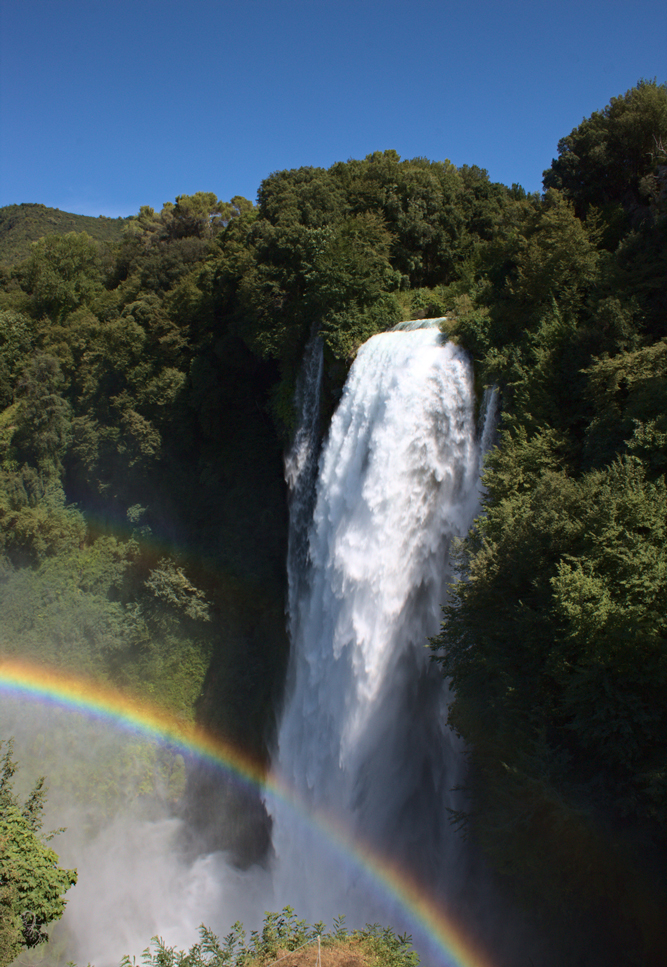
x: 605, y: 161
x: 43, y: 415
x: 16, y: 343
x: 553, y: 638
x: 201, y: 215
x: 554, y: 645
x: 63, y: 271
x: 629, y: 396
x: 31, y: 882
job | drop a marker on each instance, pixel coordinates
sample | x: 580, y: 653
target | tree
x: 31, y: 882
x: 199, y: 214
x: 605, y: 160
x: 63, y: 272
x: 43, y: 416
x: 16, y: 342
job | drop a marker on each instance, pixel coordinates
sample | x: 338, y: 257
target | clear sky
x: 107, y: 105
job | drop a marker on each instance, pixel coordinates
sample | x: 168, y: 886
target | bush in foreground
x: 282, y: 936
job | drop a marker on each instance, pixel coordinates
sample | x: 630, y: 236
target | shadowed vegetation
x: 146, y: 389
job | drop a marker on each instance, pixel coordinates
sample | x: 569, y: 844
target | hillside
x: 146, y: 397
x: 20, y: 225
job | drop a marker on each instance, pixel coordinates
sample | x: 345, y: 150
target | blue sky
x: 106, y: 105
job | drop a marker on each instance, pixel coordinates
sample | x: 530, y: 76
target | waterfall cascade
x: 363, y: 742
x: 363, y: 735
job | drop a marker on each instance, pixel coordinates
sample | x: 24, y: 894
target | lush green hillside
x: 145, y: 399
x: 555, y: 640
x: 20, y: 225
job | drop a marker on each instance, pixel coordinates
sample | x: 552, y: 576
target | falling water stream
x: 363, y: 735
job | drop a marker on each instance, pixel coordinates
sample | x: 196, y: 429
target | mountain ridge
x: 20, y: 225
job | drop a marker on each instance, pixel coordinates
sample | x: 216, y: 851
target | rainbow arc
x: 429, y: 915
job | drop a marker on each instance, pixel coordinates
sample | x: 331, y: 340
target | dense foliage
x: 21, y: 225
x: 146, y: 391
x: 31, y: 882
x: 555, y: 638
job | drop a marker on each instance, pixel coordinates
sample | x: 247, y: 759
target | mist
x: 118, y: 794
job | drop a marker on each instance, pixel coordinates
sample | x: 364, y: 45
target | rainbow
x: 38, y: 683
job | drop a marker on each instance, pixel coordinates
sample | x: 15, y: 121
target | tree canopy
x: 146, y: 394
x: 609, y: 161
x: 554, y: 636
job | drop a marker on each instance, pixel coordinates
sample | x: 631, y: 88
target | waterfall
x: 363, y: 734
x: 363, y: 741
x: 301, y: 472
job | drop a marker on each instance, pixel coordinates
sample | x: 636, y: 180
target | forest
x: 147, y: 382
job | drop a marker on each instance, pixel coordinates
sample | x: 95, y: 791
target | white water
x: 363, y: 736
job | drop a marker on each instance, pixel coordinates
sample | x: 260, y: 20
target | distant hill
x: 22, y: 224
